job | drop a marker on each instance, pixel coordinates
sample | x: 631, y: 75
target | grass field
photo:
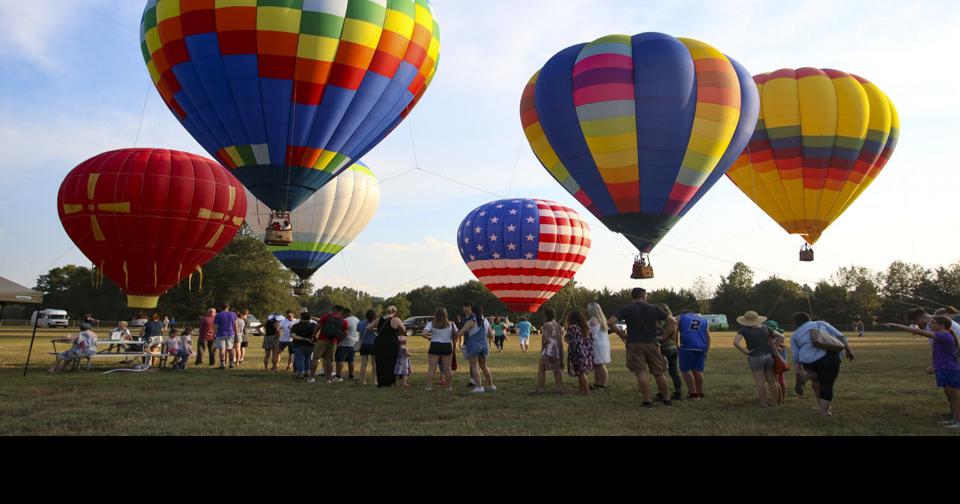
x: 884, y: 392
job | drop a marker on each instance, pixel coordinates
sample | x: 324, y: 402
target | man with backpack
x: 331, y: 329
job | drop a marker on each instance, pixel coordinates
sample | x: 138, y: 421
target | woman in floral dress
x: 579, y: 349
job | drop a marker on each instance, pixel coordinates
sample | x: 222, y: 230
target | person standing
x: 946, y: 360
x: 551, y: 353
x: 152, y: 335
x: 643, y: 352
x: 207, y: 335
x: 302, y: 336
x: 579, y: 349
x: 387, y: 346
x: 824, y: 362
x: 600, y: 336
x: 499, y: 333
x: 346, y: 348
x: 440, y: 332
x: 239, y: 337
x: 271, y: 342
x: 476, y: 347
x: 226, y: 322
x: 668, y: 347
x: 332, y: 327
x: 368, y: 337
x: 780, y: 361
x: 694, y: 332
x: 524, y: 328
x: 286, y: 338
x: 760, y: 359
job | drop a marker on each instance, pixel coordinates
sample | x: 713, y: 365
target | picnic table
x: 144, y: 357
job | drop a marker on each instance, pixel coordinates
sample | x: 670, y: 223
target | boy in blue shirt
x: 694, y: 345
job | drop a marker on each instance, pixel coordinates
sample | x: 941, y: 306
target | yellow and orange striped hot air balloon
x: 822, y: 138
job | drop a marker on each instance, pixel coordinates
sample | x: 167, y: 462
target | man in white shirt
x: 286, y: 341
x: 347, y: 347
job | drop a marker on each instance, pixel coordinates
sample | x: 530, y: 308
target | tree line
x: 247, y: 276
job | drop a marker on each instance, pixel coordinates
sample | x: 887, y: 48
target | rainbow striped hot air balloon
x: 822, y: 138
x: 326, y: 223
x: 289, y: 93
x: 639, y: 128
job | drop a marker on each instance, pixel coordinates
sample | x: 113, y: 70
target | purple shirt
x: 945, y: 352
x: 226, y: 321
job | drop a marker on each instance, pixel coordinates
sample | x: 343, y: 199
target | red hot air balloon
x: 148, y: 218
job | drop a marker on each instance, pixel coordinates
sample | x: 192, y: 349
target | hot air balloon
x: 639, y: 128
x: 822, y: 138
x: 524, y: 250
x: 289, y: 93
x: 121, y: 208
x: 326, y: 223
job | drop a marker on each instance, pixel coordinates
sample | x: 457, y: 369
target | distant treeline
x: 247, y: 276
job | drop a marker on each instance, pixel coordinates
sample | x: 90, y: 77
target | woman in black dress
x: 387, y: 346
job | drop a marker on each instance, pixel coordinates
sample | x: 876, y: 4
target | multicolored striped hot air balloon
x: 822, y: 138
x: 289, y: 93
x: 326, y: 223
x: 639, y: 128
x: 524, y: 250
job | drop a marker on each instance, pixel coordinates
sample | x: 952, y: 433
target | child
x: 404, y: 366
x: 551, y: 353
x: 946, y: 360
x: 186, y: 350
x: 173, y: 347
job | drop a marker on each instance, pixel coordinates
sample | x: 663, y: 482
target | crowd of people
x: 658, y: 345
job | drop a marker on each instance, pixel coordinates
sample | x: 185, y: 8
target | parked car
x: 717, y: 322
x: 49, y: 318
x: 254, y: 326
x: 415, y: 325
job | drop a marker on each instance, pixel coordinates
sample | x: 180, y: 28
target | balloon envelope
x: 285, y: 93
x: 822, y: 138
x: 148, y: 218
x: 326, y: 223
x: 639, y: 128
x: 524, y: 250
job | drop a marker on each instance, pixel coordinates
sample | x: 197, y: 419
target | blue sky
x: 73, y: 85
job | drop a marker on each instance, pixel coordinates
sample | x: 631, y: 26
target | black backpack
x: 333, y: 328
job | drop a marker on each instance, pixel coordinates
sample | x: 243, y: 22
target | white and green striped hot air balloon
x: 326, y: 223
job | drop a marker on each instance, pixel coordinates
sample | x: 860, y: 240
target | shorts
x: 441, y: 349
x: 474, y: 349
x: 271, y: 343
x: 286, y: 345
x: 245, y: 344
x: 223, y: 343
x: 948, y: 378
x: 761, y: 362
x: 324, y: 349
x: 692, y: 360
x: 524, y: 340
x: 345, y: 354
x: 646, y: 358
x: 368, y: 349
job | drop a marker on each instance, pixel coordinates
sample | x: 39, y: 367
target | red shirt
x: 207, y: 330
x: 323, y: 322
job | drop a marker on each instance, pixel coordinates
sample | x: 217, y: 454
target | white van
x: 49, y: 318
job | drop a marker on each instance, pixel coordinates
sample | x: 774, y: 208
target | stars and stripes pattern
x: 524, y: 250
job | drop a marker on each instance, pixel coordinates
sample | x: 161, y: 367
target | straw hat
x: 751, y: 319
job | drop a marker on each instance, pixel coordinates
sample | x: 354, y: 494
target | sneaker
x: 350, y: 377
x: 667, y: 402
x: 693, y: 396
x: 492, y: 388
x: 428, y: 389
x: 311, y: 380
x: 336, y: 379
x: 478, y: 390
x: 222, y: 367
x: 677, y: 396
x: 647, y: 405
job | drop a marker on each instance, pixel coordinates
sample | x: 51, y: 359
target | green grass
x: 885, y: 392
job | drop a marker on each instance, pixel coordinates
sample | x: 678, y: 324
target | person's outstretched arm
x: 914, y: 330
